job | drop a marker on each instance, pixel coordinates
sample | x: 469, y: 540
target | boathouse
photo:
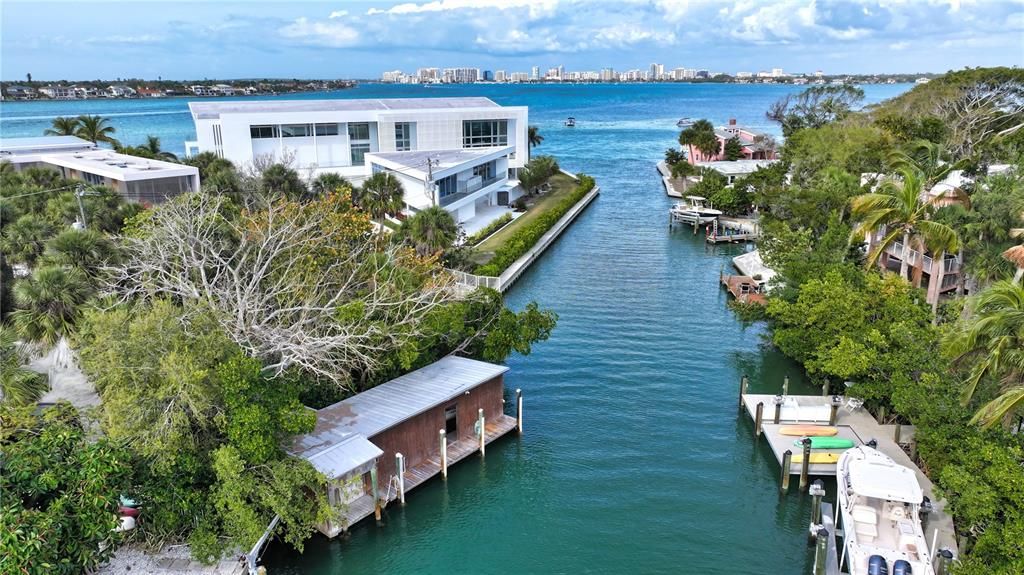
x: 356, y: 440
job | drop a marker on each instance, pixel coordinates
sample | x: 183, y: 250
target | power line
x: 25, y: 195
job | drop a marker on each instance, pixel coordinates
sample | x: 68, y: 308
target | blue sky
x: 350, y: 39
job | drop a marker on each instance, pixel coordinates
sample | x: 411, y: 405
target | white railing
x: 951, y: 264
x: 473, y: 280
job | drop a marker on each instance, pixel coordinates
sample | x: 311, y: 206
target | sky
x: 81, y: 40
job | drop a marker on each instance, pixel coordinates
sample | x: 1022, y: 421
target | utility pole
x: 79, y: 192
x: 431, y: 188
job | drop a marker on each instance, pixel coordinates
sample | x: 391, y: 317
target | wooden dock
x: 856, y: 424
x: 362, y: 507
x: 744, y: 288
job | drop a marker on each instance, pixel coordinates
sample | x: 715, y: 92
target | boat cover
x: 882, y: 478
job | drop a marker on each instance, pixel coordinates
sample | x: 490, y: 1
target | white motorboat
x: 880, y: 502
x: 684, y: 122
x: 570, y: 122
x: 696, y: 209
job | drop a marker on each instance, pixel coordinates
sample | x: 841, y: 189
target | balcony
x: 468, y: 187
x: 951, y: 264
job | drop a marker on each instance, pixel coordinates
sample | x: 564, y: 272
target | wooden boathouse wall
x: 417, y: 437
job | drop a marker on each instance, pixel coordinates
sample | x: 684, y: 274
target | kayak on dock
x: 816, y: 458
x: 827, y: 442
x: 808, y: 430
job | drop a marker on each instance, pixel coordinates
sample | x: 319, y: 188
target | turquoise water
x: 634, y: 459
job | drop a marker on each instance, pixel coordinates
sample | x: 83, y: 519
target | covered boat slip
x: 356, y: 442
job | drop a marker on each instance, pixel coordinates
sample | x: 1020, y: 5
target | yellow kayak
x: 808, y: 430
x: 817, y: 458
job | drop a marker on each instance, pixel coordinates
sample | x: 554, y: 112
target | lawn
x: 561, y: 186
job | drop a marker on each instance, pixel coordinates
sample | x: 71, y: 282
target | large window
x: 296, y: 130
x: 484, y: 133
x: 359, y: 131
x: 447, y: 186
x: 486, y: 171
x: 403, y: 136
x: 327, y: 130
x: 257, y: 132
x: 359, y: 152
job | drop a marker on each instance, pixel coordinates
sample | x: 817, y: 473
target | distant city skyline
x: 358, y: 39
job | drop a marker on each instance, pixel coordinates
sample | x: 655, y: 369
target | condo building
x: 458, y: 153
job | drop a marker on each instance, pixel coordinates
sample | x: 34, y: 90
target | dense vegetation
x: 955, y: 372
x: 207, y: 324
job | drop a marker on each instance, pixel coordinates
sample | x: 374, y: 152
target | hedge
x: 488, y: 230
x: 524, y: 238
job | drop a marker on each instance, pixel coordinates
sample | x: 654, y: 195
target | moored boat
x: 880, y: 502
x: 684, y: 122
x: 695, y: 208
x: 570, y: 122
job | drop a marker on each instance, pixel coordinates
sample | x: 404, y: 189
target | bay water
x: 634, y: 457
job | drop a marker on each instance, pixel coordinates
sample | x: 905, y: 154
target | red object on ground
x: 129, y: 511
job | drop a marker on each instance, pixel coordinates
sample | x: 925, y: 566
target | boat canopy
x: 884, y: 480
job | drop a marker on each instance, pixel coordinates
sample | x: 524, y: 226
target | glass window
x: 447, y: 186
x: 485, y: 171
x: 358, y: 151
x: 327, y: 130
x: 403, y: 136
x: 484, y: 133
x: 257, y: 132
x: 359, y: 131
x: 295, y: 130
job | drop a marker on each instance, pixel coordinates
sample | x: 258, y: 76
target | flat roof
x: 736, y: 167
x: 368, y: 413
x: 121, y: 167
x: 43, y: 144
x: 414, y: 163
x: 210, y: 110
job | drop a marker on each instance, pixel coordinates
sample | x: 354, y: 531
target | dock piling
x: 519, y: 411
x: 833, y: 415
x: 444, y: 454
x: 743, y: 389
x: 778, y: 409
x: 376, y: 492
x: 483, y: 430
x: 805, y: 463
x: 785, y: 386
x: 817, y: 492
x: 896, y: 433
x: 758, y: 418
x: 787, y: 460
x: 400, y: 470
x: 943, y: 562
x: 820, y: 550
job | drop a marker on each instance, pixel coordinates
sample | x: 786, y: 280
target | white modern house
x: 137, y: 179
x: 458, y: 153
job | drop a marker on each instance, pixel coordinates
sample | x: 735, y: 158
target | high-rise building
x: 535, y: 73
x: 392, y: 76
x: 499, y: 76
x: 428, y: 74
x: 488, y: 76
x: 777, y: 73
x: 520, y: 77
x: 608, y: 75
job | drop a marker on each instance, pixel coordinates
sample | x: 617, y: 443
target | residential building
x: 58, y: 92
x: 488, y: 76
x: 778, y: 73
x: 459, y: 153
x: 608, y: 75
x: 137, y: 179
x: 21, y: 93
x: 756, y: 145
x: 143, y: 92
x: 356, y: 442
x: 519, y: 77
x: 84, y: 91
x: 120, y: 91
x: 392, y: 76
x: 499, y: 76
x: 736, y: 169
x: 428, y: 74
x: 535, y: 73
x: 203, y: 91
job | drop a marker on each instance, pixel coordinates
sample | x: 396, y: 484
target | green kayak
x: 827, y: 443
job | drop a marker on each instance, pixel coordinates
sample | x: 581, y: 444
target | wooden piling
x: 805, y: 463
x: 444, y: 454
x: 400, y: 470
x: 743, y: 388
x: 943, y: 561
x: 376, y: 492
x: 881, y: 415
x: 483, y: 430
x: 897, y: 433
x: 817, y: 492
x: 778, y: 409
x: 785, y: 386
x: 821, y: 551
x: 758, y: 418
x: 833, y: 414
x: 787, y: 460
x: 519, y: 411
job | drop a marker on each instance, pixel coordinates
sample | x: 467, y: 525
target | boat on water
x: 570, y: 122
x: 684, y: 122
x: 880, y: 503
x: 695, y: 208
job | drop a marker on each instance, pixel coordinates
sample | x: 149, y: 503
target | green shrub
x: 490, y: 229
x: 524, y: 238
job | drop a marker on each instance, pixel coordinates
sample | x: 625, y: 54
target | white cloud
x: 537, y: 8
x: 330, y: 34
x: 338, y: 14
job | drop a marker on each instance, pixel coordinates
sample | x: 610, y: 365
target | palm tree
x: 280, y: 180
x: 928, y: 159
x: 993, y: 340
x: 96, y: 130
x: 152, y: 146
x: 430, y: 231
x: 18, y: 386
x: 49, y: 303
x: 88, y: 250
x: 900, y: 207
x: 533, y: 136
x: 328, y: 182
x: 381, y: 194
x: 208, y: 163
x: 63, y: 126
x: 45, y: 178
x: 23, y: 241
x: 701, y: 136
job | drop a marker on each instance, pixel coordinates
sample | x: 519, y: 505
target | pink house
x: 756, y: 145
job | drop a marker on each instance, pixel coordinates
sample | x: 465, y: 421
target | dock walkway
x: 856, y: 424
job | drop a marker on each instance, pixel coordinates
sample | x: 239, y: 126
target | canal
x: 633, y: 457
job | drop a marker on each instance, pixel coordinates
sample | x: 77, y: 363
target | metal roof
x: 43, y: 144
x: 343, y: 457
x: 371, y: 412
x: 208, y: 110
x: 736, y: 167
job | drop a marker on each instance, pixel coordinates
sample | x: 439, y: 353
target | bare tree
x: 290, y: 284
x: 980, y: 111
